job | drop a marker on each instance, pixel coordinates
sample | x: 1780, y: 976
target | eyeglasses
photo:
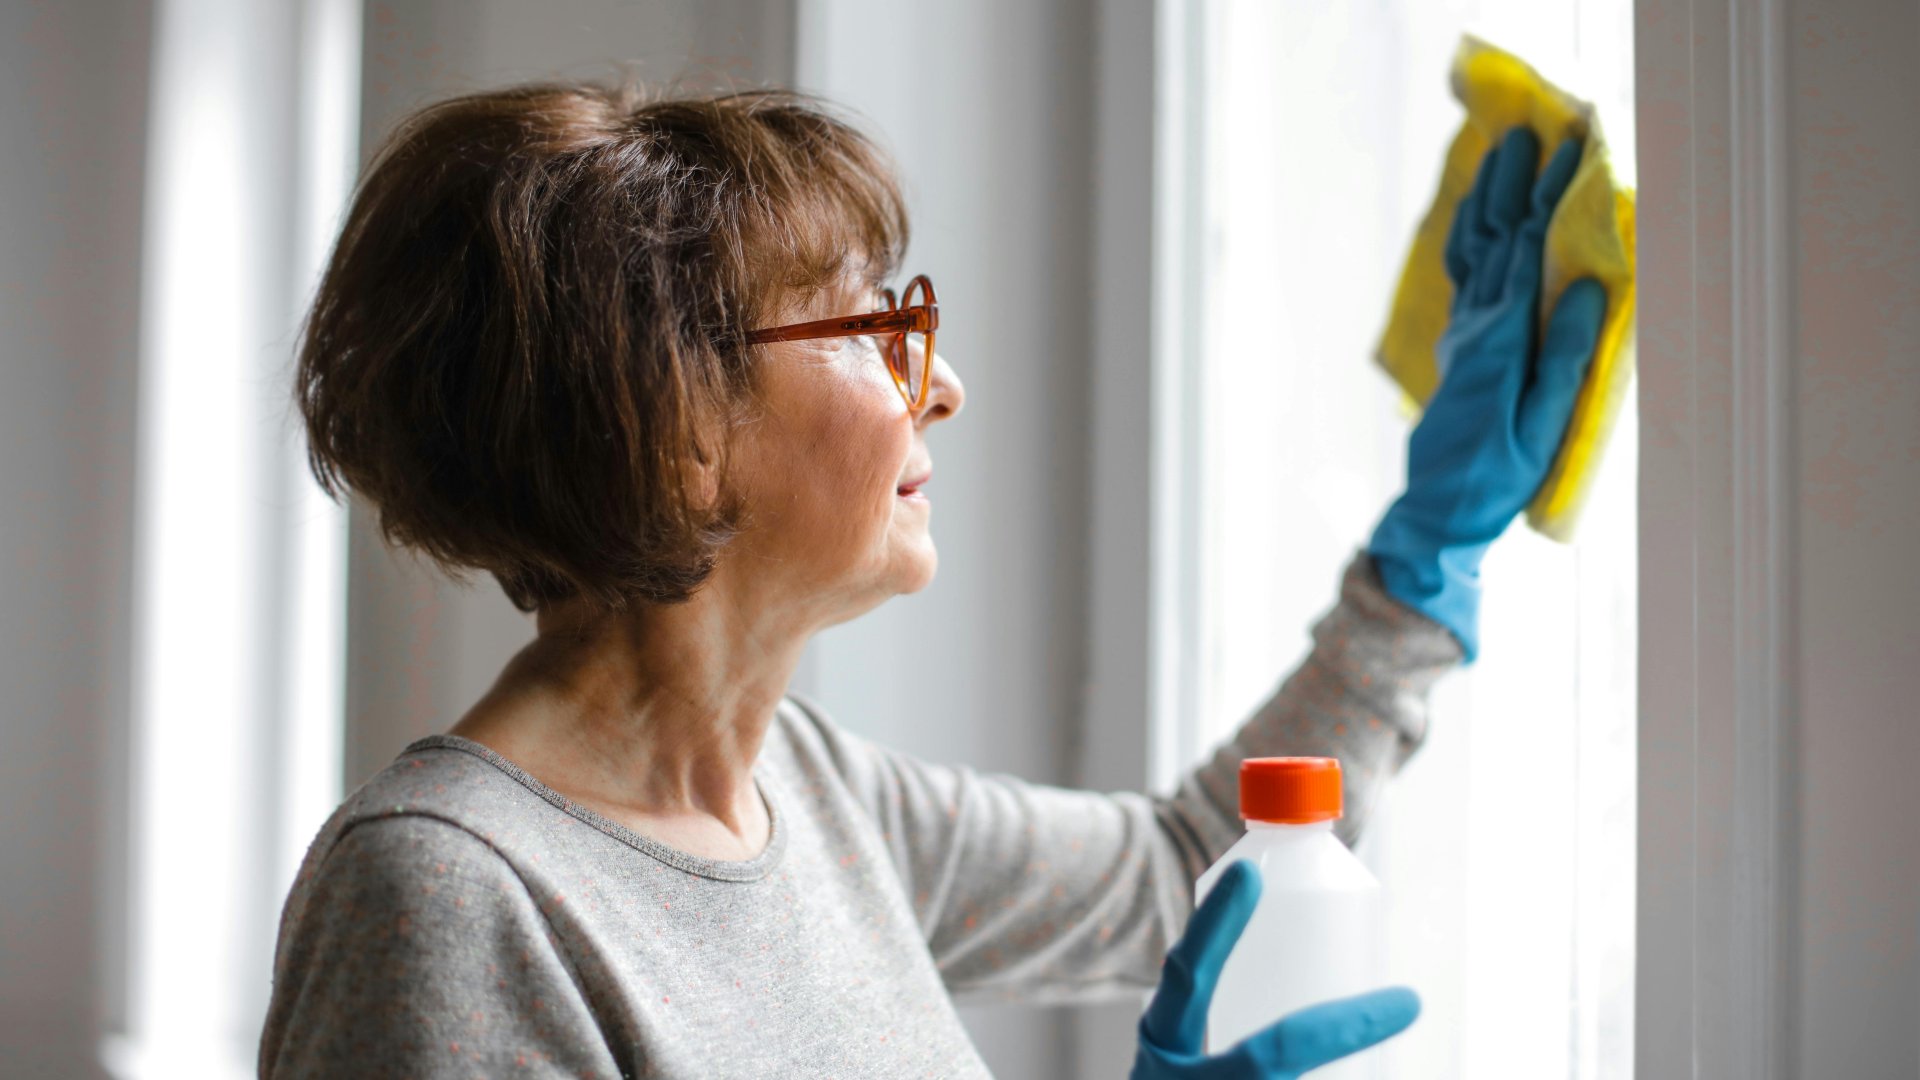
x: 908, y: 327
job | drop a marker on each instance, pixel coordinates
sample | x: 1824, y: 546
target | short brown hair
x: 531, y: 333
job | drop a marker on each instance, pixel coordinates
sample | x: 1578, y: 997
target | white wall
x: 73, y: 85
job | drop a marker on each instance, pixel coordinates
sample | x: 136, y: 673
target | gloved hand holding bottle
x: 1173, y: 1028
x: 1490, y: 432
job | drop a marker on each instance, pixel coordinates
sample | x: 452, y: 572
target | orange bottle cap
x: 1290, y: 790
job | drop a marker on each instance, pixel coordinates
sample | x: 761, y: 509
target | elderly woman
x: 634, y: 358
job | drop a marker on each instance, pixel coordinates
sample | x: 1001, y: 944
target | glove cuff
x: 1440, y: 582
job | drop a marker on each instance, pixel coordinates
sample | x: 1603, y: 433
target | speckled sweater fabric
x: 457, y: 918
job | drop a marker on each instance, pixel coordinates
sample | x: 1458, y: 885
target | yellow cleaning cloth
x: 1591, y: 235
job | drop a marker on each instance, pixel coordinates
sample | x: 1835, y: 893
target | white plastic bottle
x: 1315, y: 934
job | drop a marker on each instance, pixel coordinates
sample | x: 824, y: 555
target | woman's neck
x: 653, y: 716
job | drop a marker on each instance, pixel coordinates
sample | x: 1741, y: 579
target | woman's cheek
x: 870, y: 415
x: 870, y: 444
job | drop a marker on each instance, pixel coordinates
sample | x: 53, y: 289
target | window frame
x: 1717, y: 684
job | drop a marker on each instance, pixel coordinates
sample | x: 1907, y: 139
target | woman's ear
x: 704, y: 479
x: 715, y: 463
x: 709, y: 490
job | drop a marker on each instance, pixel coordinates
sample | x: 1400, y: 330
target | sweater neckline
x: 718, y: 869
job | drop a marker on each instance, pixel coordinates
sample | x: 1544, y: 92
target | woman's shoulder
x: 444, y: 802
x: 432, y: 808
x: 447, y: 786
x: 392, y: 855
x: 402, y: 900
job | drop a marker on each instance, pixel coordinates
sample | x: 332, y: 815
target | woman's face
x: 835, y: 471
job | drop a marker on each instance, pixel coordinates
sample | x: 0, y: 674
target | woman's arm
x: 1039, y: 893
x: 414, y: 950
x: 1360, y: 696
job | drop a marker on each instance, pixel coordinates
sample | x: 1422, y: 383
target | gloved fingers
x: 1512, y: 180
x: 1522, y: 285
x: 1505, y: 210
x: 1176, y: 1018
x: 1523, y: 274
x: 1469, y: 235
x: 1565, y: 354
x: 1556, y: 178
x: 1459, y: 270
x: 1318, y: 1034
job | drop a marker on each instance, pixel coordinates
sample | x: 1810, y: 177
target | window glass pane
x: 1506, y: 846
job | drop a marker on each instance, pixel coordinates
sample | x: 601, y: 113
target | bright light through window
x: 1507, y: 845
x: 235, y: 748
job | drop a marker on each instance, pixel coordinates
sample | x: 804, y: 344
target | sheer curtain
x: 1507, y: 845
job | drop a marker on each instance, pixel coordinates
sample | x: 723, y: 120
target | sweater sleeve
x: 1041, y: 894
x: 1359, y: 696
x: 412, y: 949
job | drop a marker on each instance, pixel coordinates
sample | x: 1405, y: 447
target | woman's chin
x: 906, y: 572
x: 917, y: 565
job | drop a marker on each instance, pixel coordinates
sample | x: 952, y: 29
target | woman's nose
x: 944, y: 397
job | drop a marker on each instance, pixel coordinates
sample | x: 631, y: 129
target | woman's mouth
x: 910, y: 489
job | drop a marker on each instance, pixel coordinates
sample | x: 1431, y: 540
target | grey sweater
x: 457, y: 917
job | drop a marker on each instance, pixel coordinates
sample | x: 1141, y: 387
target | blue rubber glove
x: 1175, y: 1022
x: 1491, y: 430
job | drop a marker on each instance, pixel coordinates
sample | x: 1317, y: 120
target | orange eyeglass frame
x: 896, y: 322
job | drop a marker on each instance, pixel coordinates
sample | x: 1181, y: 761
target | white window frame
x: 1716, y: 680
x: 1141, y: 521
x: 1715, y: 809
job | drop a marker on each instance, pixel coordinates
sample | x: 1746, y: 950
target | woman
x: 633, y: 358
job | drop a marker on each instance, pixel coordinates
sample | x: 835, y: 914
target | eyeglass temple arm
x: 920, y: 317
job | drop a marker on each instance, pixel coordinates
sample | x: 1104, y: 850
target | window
x: 1507, y: 846
x: 233, y: 758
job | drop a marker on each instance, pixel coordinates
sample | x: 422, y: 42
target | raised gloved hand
x: 1175, y: 1022
x: 1490, y: 432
